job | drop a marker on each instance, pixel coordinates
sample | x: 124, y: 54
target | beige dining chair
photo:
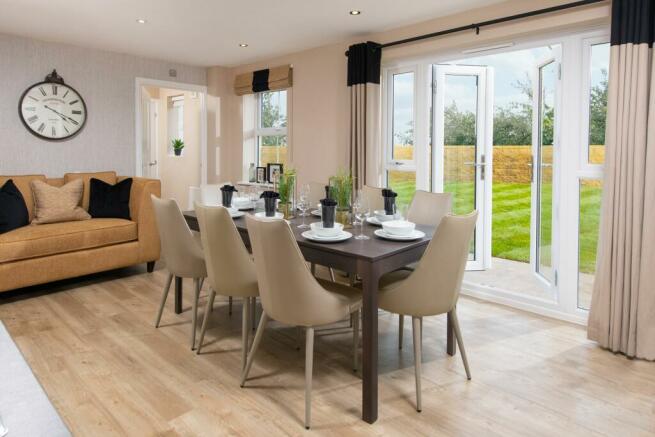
x: 373, y: 196
x: 426, y: 208
x: 182, y: 251
x: 291, y: 295
x: 230, y: 269
x: 433, y: 288
x: 316, y: 193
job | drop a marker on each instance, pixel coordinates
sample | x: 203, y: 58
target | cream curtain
x: 622, y: 314
x: 364, y: 82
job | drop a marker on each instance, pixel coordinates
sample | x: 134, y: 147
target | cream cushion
x: 53, y: 204
x: 55, y: 238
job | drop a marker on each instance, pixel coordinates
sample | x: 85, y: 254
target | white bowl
x: 319, y: 230
x: 398, y: 227
x: 382, y: 216
x: 241, y: 202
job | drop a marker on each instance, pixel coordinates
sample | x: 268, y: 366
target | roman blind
x: 269, y: 79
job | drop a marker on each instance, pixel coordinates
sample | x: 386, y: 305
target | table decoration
x: 270, y: 201
x: 226, y: 194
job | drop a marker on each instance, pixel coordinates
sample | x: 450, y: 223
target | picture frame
x: 273, y: 172
x: 261, y: 175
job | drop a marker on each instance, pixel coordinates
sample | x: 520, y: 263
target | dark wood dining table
x: 369, y: 259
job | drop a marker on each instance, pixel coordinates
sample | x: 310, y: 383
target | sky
x: 509, y: 67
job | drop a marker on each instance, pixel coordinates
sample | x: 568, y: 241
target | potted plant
x: 287, y: 190
x: 341, y: 188
x: 178, y: 145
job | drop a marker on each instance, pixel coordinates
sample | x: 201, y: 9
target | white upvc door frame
x: 484, y: 151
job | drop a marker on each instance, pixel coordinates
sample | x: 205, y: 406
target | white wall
x: 105, y: 80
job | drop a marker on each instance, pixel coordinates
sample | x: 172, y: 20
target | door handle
x: 482, y: 165
x: 152, y: 163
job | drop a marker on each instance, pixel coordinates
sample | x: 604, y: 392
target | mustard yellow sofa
x: 37, y: 254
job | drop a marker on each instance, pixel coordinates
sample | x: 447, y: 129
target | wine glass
x: 361, y: 212
x: 303, y: 205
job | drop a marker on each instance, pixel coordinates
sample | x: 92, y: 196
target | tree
x: 459, y: 126
x: 271, y: 117
x: 405, y: 137
x: 598, y: 111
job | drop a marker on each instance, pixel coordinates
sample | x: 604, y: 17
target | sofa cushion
x: 13, y: 212
x: 23, y: 185
x: 58, y: 204
x: 110, y: 201
x: 50, y: 239
x: 105, y: 176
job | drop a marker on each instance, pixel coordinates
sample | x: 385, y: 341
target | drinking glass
x: 304, y: 193
x: 361, y: 212
x: 303, y: 206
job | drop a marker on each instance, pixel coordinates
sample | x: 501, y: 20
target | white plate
x: 237, y: 214
x: 373, y: 221
x: 341, y: 237
x: 316, y: 212
x: 414, y: 236
x: 262, y: 214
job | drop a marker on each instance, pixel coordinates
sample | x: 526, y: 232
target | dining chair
x: 373, y: 196
x: 291, y: 295
x: 426, y: 208
x: 433, y: 288
x: 182, y: 252
x: 230, y: 269
x: 316, y: 193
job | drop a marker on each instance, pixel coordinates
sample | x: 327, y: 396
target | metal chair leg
x: 460, y: 342
x: 253, y: 310
x: 229, y: 306
x: 245, y: 331
x: 194, y: 315
x: 416, y: 330
x: 401, y: 330
x: 309, y: 363
x: 205, y: 321
x: 164, y: 295
x: 255, y: 345
x: 355, y: 320
x: 332, y: 275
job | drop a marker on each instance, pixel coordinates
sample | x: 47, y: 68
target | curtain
x: 364, y: 83
x: 622, y: 313
x: 268, y: 79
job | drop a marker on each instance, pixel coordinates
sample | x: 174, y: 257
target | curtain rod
x: 477, y: 26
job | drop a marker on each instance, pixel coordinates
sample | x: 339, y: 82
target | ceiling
x: 208, y: 32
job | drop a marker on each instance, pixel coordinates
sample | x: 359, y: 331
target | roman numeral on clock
x: 65, y: 94
x: 66, y: 129
x: 42, y: 90
x: 41, y: 127
x: 53, y: 131
x: 54, y: 90
x: 76, y: 112
x: 73, y: 102
x: 32, y: 119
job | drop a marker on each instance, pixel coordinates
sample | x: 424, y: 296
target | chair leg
x: 355, y: 320
x: 298, y: 338
x: 255, y: 345
x: 194, y: 315
x: 245, y: 329
x: 460, y: 342
x: 416, y: 330
x: 229, y: 306
x: 202, y: 282
x: 205, y: 320
x: 309, y: 364
x: 313, y: 269
x: 253, y: 310
x: 164, y: 295
x: 401, y: 330
x: 332, y: 275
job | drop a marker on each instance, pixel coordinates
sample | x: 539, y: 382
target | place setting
x: 327, y: 230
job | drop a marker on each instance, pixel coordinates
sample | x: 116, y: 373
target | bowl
x: 382, y: 216
x: 320, y: 231
x: 398, y: 227
x: 241, y: 202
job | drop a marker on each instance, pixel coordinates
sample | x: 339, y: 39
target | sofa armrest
x: 142, y: 212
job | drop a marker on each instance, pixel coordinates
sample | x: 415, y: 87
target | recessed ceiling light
x: 355, y: 12
x: 141, y: 21
x: 243, y: 45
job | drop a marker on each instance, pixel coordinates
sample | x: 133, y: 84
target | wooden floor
x: 108, y: 371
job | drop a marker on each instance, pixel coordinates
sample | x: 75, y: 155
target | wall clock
x: 52, y: 110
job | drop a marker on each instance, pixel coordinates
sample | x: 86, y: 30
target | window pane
x: 273, y: 149
x: 600, y: 56
x: 403, y: 183
x: 273, y: 109
x: 403, y: 117
x: 589, y: 223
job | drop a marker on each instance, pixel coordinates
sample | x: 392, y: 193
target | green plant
x: 341, y: 188
x: 286, y: 185
x: 177, y: 144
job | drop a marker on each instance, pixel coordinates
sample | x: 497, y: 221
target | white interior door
x: 462, y: 150
x: 545, y: 153
x: 150, y: 163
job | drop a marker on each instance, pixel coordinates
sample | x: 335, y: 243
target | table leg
x: 370, y: 277
x: 178, y: 295
x: 451, y: 346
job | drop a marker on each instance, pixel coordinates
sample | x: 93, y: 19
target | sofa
x: 37, y: 254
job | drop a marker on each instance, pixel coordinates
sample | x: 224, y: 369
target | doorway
x: 169, y: 113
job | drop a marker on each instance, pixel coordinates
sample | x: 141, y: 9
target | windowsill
x: 255, y: 184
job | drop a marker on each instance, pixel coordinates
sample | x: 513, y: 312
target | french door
x: 462, y: 149
x: 545, y: 153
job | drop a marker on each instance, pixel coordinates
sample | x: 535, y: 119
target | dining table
x: 368, y: 259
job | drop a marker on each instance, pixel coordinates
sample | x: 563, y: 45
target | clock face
x: 52, y: 111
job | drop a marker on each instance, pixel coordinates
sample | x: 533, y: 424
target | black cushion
x: 110, y: 201
x: 13, y: 211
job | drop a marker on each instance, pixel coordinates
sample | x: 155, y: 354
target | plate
x: 414, y: 236
x: 341, y: 237
x: 373, y: 221
x: 262, y: 214
x: 237, y: 214
x: 316, y: 212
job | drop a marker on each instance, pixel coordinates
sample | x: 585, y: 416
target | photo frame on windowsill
x: 261, y: 175
x: 273, y: 172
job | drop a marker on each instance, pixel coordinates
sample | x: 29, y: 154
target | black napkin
x: 389, y: 201
x: 328, y: 212
x: 270, y: 200
x: 229, y: 188
x: 226, y: 193
x: 269, y: 195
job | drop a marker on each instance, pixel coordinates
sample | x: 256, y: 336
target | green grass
x: 511, y: 216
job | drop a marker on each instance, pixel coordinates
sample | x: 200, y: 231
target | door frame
x: 483, y: 163
x: 138, y: 94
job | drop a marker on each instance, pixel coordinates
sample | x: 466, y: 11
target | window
x: 271, y: 128
x: 401, y: 167
x: 175, y: 110
x: 598, y: 71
